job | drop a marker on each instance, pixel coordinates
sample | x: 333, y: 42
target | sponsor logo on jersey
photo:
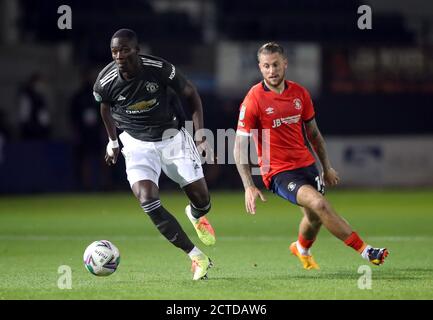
x: 242, y: 112
x: 269, y: 110
x: 291, y: 186
x: 173, y: 72
x: 142, y: 106
x: 297, y: 103
x: 151, y: 87
x: 287, y: 120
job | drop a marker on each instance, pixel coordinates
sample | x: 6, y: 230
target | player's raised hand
x: 251, y: 194
x: 331, y: 177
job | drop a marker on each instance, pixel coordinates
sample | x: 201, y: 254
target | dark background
x: 376, y: 82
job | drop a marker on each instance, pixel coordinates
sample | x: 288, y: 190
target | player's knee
x: 320, y: 206
x: 145, y: 191
x: 151, y: 205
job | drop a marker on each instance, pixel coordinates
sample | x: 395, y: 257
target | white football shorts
x: 177, y: 157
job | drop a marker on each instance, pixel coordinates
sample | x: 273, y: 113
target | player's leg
x: 198, y: 195
x: 308, y: 230
x: 309, y: 227
x: 181, y: 163
x: 143, y: 168
x: 286, y: 185
x: 147, y: 194
x: 308, y: 197
x: 199, y: 206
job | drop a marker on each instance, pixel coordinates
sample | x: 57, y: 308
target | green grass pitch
x: 38, y: 234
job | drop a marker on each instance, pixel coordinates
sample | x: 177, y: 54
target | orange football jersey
x: 276, y: 123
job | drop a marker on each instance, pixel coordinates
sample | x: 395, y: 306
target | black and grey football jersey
x: 144, y: 106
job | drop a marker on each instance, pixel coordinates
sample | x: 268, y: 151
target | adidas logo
x: 121, y: 98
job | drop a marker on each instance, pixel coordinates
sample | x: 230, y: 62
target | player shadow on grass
x: 389, y: 274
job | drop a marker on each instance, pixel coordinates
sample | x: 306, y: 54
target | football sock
x: 364, y: 252
x: 355, y: 242
x: 304, y: 245
x: 194, y: 252
x: 167, y: 225
x: 197, y: 213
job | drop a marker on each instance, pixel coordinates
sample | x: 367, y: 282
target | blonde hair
x: 270, y: 47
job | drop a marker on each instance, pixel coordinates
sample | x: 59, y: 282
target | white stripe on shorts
x: 192, y: 145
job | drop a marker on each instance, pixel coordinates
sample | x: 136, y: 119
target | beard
x: 275, y: 82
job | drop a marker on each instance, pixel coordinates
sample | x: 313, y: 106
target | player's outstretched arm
x: 243, y: 166
x: 112, y: 150
x: 316, y: 139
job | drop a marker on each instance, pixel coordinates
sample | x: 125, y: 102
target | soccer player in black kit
x: 134, y: 93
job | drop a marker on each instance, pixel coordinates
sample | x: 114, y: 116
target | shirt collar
x: 265, y: 87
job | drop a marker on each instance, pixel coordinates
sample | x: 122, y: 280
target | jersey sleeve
x: 308, y: 112
x: 172, y: 77
x: 248, y: 116
x: 99, y: 93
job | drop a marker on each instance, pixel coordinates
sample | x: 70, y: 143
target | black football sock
x: 167, y: 225
x: 199, y: 212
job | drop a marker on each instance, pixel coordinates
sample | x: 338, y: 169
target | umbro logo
x: 121, y: 98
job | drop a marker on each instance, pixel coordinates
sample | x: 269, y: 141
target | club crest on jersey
x: 291, y: 186
x: 151, y: 87
x: 269, y: 110
x: 297, y: 103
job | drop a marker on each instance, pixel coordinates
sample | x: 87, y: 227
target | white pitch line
x: 5, y: 237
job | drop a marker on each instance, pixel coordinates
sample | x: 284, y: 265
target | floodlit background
x: 372, y: 89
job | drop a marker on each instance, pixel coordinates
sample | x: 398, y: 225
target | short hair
x: 127, y: 34
x: 270, y: 47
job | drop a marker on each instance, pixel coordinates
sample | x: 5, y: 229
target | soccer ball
x: 101, y: 258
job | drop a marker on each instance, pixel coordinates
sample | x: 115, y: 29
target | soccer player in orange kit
x: 276, y: 112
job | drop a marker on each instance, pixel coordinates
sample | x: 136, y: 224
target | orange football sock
x: 355, y: 242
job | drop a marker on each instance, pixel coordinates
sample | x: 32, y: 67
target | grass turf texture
x: 40, y: 233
